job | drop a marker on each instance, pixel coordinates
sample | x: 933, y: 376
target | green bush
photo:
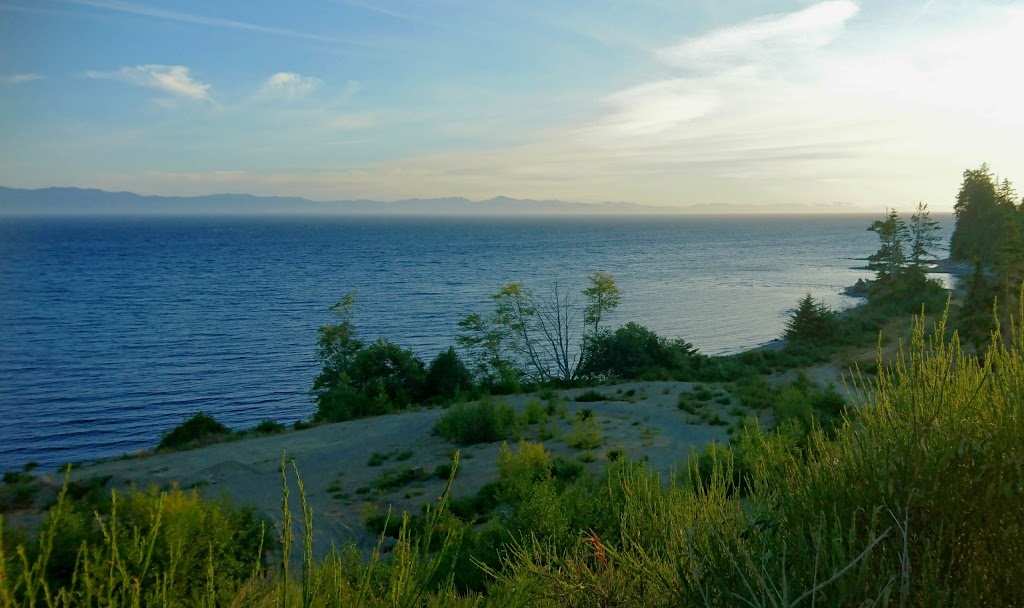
x: 447, y: 376
x: 198, y: 430
x: 368, y: 381
x: 585, y: 435
x: 268, y: 427
x: 534, y: 412
x: 481, y: 422
x: 396, y: 478
x: 590, y: 396
x: 633, y: 351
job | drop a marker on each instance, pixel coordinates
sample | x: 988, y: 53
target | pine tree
x: 811, y: 322
x: 891, y: 258
x: 923, y: 238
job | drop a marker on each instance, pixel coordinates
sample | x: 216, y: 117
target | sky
x: 760, y: 103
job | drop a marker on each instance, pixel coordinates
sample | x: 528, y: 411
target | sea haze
x: 114, y: 330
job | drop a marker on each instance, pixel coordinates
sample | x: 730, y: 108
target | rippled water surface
x: 113, y: 330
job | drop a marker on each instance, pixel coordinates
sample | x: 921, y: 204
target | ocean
x: 113, y: 330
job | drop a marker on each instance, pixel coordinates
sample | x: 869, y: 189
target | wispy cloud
x: 15, y: 79
x: 173, y: 79
x: 374, y: 8
x: 157, y: 13
x: 808, y: 29
x: 289, y: 86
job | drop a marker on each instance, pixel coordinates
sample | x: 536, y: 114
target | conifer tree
x: 891, y: 258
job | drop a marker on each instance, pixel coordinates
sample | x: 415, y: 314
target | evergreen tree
x: 975, y: 319
x: 891, y: 258
x: 923, y: 238
x: 811, y: 322
x: 984, y: 206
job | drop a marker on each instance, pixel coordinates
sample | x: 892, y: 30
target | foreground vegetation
x: 916, y: 498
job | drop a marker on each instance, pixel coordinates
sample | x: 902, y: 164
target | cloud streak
x: 288, y: 86
x: 805, y: 30
x: 156, y: 13
x: 172, y: 79
x: 16, y: 79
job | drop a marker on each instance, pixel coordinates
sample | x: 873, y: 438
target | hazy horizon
x: 74, y: 201
x: 869, y: 102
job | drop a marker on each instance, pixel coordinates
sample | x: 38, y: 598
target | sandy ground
x: 333, y: 459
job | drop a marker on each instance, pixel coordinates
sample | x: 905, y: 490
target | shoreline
x: 943, y: 266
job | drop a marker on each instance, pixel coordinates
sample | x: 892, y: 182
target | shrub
x: 530, y: 463
x: 376, y: 459
x: 534, y: 413
x: 197, y: 430
x: 369, y: 381
x: 447, y: 376
x: 590, y: 396
x: 268, y: 427
x: 585, y: 434
x: 396, y: 478
x: 443, y: 471
x: 633, y: 351
x: 482, y: 422
x: 584, y: 414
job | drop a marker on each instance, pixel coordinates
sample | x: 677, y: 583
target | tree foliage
x: 923, y: 238
x: 602, y: 296
x: 986, y: 214
x: 447, y: 375
x: 990, y: 230
x: 891, y: 258
x: 358, y: 380
x: 901, y: 282
x: 811, y: 322
x: 634, y: 351
x: 538, y: 336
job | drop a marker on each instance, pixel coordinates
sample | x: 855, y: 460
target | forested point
x: 907, y: 492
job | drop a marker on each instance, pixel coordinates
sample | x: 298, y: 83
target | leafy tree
x: 337, y: 346
x: 447, y: 375
x: 602, y: 296
x: 487, y: 349
x: 536, y: 335
x: 811, y: 322
x: 387, y: 376
x: 358, y: 380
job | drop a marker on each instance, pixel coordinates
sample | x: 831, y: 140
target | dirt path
x: 639, y: 419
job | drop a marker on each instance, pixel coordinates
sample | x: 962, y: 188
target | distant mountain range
x: 88, y: 201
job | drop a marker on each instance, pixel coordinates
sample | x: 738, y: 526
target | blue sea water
x: 113, y: 330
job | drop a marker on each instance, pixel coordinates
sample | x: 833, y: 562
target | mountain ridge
x: 73, y: 201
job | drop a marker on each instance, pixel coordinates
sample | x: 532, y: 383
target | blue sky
x: 757, y: 102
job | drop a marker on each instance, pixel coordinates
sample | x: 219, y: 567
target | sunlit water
x: 113, y: 330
